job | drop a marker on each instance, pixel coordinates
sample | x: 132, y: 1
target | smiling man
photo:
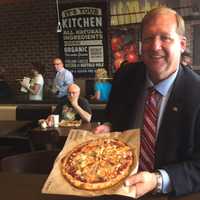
x: 162, y: 98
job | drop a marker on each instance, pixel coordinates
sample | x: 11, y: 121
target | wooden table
x: 55, y: 137
x: 28, y: 187
x: 8, y: 128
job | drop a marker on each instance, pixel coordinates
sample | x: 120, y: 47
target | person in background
x: 5, y: 89
x: 72, y: 106
x: 63, y: 78
x: 35, y: 88
x: 186, y: 59
x: 164, y: 92
x: 102, y: 86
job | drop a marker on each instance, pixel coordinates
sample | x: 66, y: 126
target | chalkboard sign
x: 83, y: 40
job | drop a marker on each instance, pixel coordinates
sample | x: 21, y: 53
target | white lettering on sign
x: 82, y: 22
x: 81, y: 11
x: 75, y: 49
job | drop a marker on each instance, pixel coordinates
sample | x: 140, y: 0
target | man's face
x: 58, y: 64
x: 161, y: 46
x: 73, y: 91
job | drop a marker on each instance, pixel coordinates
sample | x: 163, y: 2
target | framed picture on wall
x: 124, y: 46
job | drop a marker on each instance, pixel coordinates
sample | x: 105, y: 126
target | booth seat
x: 8, y: 112
x: 35, y: 111
x: 28, y: 112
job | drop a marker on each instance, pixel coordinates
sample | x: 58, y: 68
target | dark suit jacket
x: 178, y: 142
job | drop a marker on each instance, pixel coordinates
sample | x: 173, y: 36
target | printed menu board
x: 83, y: 39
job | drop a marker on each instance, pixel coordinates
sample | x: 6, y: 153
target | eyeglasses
x: 72, y: 92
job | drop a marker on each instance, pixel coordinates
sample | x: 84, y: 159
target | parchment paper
x: 57, y: 184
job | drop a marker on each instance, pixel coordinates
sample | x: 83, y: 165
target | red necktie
x: 148, y: 134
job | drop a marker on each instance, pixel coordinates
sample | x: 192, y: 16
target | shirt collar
x: 164, y: 86
x: 60, y: 70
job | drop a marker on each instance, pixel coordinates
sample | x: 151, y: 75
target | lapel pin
x: 175, y: 109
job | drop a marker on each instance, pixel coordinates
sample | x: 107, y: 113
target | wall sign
x: 83, y: 40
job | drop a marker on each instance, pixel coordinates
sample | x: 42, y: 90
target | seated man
x: 72, y: 106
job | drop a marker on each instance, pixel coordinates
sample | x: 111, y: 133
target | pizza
x: 70, y: 123
x: 97, y: 164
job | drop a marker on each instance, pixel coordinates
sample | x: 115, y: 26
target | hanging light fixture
x: 59, y: 26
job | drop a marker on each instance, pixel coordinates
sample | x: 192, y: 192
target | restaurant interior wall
x: 28, y: 34
x: 126, y: 15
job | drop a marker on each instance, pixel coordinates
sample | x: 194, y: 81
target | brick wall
x: 27, y: 34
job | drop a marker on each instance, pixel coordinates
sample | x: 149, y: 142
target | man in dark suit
x: 177, y: 150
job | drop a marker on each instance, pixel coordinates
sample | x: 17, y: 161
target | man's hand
x: 104, y: 128
x: 49, y: 121
x: 73, y: 99
x: 142, y: 183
